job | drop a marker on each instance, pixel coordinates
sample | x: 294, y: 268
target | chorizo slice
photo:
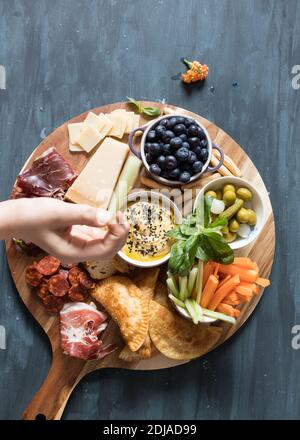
x: 85, y: 280
x: 42, y: 289
x: 33, y: 275
x: 73, y: 275
x: 58, y: 285
x: 77, y: 293
x: 53, y: 304
x: 48, y: 265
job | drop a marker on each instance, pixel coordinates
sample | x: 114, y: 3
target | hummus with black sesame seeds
x: 147, y: 238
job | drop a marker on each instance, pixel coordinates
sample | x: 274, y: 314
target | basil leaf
x: 151, y: 111
x: 176, y: 234
x: 216, y: 248
x: 136, y: 104
x: 201, y: 254
x: 183, y: 255
x: 207, y: 205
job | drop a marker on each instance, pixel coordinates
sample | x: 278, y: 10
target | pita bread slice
x: 177, y: 338
x: 128, y: 307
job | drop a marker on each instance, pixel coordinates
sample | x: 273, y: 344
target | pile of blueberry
x: 176, y: 148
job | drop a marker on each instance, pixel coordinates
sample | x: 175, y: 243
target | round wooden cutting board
x: 66, y: 372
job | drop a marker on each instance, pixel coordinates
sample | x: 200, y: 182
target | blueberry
x: 181, y: 120
x: 185, y: 166
x: 147, y: 147
x: 203, y: 143
x: 165, y: 174
x: 161, y: 161
x: 154, y: 169
x: 175, y: 143
x: 164, y: 122
x: 174, y: 174
x: 185, y: 177
x: 149, y: 158
x: 172, y: 122
x: 194, y: 141
x: 182, y: 154
x: 197, y: 166
x: 204, y: 155
x: 171, y: 162
x: 183, y: 136
x: 186, y: 145
x: 188, y: 122
x: 155, y: 149
x: 160, y: 129
x: 151, y: 136
x: 193, y: 130
x: 166, y: 149
x: 192, y: 157
x: 167, y: 136
x: 201, y: 133
x: 179, y: 129
x: 198, y: 151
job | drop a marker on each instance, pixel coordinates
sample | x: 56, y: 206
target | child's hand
x: 67, y: 231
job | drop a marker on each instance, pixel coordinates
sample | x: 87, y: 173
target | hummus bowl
x: 151, y: 215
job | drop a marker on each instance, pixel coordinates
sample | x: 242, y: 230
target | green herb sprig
x: 198, y: 239
x: 149, y: 111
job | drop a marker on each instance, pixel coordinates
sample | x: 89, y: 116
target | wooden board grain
x: 65, y: 372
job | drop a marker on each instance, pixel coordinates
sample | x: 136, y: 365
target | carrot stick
x: 207, y: 271
x: 223, y: 291
x: 233, y: 296
x: 245, y: 262
x: 243, y: 290
x: 248, y: 275
x: 209, y: 290
x: 228, y: 310
x: 263, y: 282
x: 231, y: 302
x: 250, y: 286
x: 224, y: 280
x: 256, y: 290
x: 216, y: 269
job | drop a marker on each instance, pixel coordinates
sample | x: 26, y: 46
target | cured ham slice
x: 49, y: 176
x: 80, y: 327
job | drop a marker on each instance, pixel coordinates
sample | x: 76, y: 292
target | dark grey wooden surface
x: 64, y: 57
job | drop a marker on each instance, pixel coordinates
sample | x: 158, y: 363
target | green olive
x: 231, y: 236
x: 242, y: 215
x: 211, y: 194
x: 229, y: 197
x: 225, y: 230
x: 244, y: 194
x: 251, y: 217
x: 228, y: 188
x: 219, y: 194
x: 234, y: 225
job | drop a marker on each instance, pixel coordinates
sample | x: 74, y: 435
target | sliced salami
x: 42, y: 289
x: 48, y: 265
x: 58, y: 285
x: 74, y: 274
x: 33, y: 275
x: 85, y: 280
x: 77, y: 293
x: 53, y: 304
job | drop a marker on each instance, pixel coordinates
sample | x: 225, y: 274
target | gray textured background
x: 64, y: 57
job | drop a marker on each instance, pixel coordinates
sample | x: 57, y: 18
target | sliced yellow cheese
x: 95, y: 184
x: 107, y: 124
x: 89, y: 138
x: 119, y: 124
x: 132, y: 120
x: 74, y: 131
x: 94, y: 120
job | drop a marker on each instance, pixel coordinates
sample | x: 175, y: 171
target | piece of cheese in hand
x: 95, y: 184
x: 74, y: 131
x: 89, y: 138
x: 119, y: 124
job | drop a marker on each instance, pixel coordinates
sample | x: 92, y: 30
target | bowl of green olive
x: 240, y: 203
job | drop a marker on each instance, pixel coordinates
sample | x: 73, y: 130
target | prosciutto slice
x: 80, y: 327
x: 49, y: 176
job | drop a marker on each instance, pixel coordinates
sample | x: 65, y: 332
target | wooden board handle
x: 50, y: 400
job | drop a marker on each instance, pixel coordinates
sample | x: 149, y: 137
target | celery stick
x: 191, y: 310
x: 126, y: 181
x: 172, y: 287
x: 192, y: 279
x: 182, y: 288
x: 199, y: 282
x: 170, y: 275
x: 217, y: 315
x: 197, y: 309
x: 176, y: 301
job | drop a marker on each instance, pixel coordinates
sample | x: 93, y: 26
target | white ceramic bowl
x: 256, y: 204
x: 163, y: 200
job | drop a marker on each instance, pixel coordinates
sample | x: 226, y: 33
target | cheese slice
x: 94, y: 121
x: 119, y: 124
x: 95, y: 184
x: 107, y: 124
x: 89, y: 138
x: 132, y: 120
x: 74, y: 131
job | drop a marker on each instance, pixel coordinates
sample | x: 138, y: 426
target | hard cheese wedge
x: 89, y: 138
x: 74, y: 131
x: 95, y: 184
